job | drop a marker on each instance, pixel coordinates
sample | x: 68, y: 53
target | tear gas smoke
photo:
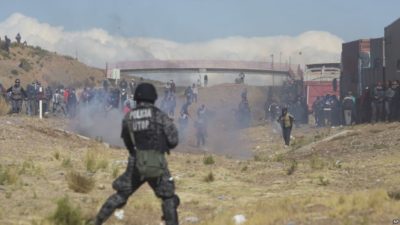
x: 223, y: 135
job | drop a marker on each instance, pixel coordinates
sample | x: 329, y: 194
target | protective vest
x: 146, y: 130
x: 149, y: 140
x: 16, y: 93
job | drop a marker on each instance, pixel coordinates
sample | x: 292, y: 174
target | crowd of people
x: 377, y: 104
x: 66, y: 101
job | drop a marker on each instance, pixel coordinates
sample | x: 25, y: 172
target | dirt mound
x: 30, y: 63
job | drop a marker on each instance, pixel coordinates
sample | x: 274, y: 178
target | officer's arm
x: 9, y: 89
x: 126, y: 136
x: 170, y: 132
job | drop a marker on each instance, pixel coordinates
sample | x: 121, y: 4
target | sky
x: 177, y: 29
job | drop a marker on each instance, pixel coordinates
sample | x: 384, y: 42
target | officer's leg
x: 19, y: 106
x: 125, y: 185
x: 14, y: 106
x: 284, y: 134
x: 164, y: 188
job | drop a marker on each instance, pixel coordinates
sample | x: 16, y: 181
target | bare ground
x: 343, y: 180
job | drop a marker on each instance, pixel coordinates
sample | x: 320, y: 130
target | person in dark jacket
x: 286, y: 120
x: 148, y: 133
x: 378, y: 98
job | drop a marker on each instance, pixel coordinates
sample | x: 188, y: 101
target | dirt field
x: 344, y: 179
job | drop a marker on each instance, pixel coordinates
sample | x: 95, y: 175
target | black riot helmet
x: 145, y: 92
x: 17, y: 82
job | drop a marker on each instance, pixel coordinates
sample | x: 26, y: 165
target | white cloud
x: 97, y: 46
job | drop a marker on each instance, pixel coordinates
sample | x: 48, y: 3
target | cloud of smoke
x: 96, y: 46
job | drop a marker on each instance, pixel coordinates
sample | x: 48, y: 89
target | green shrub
x: 66, y: 213
x: 79, y: 182
x: 208, y: 160
x: 25, y: 65
x: 8, y: 176
x: 14, y: 72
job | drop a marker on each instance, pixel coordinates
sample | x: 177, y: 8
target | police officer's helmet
x: 145, y: 92
x: 17, y: 81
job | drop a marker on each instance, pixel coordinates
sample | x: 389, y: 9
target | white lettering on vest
x: 139, y: 125
x: 140, y: 114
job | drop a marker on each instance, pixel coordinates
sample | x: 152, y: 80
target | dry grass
x: 9, y: 175
x: 66, y: 163
x: 79, y: 182
x: 291, y: 168
x: 95, y: 161
x: 356, y: 208
x: 4, y: 107
x: 261, y: 190
x: 115, y: 172
x: 316, y: 163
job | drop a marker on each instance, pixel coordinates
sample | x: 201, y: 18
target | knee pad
x: 118, y: 200
x: 169, y: 206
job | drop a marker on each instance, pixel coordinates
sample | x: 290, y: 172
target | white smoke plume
x: 96, y: 46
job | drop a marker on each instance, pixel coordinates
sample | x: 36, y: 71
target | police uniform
x: 17, y: 95
x: 149, y: 129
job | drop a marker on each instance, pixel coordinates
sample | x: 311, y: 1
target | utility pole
x: 273, y: 74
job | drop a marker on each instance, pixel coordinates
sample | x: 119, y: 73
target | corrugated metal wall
x: 392, y: 50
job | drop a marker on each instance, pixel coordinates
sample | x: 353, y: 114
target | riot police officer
x: 17, y: 95
x: 148, y: 134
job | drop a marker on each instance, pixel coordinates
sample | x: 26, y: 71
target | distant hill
x: 30, y: 63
